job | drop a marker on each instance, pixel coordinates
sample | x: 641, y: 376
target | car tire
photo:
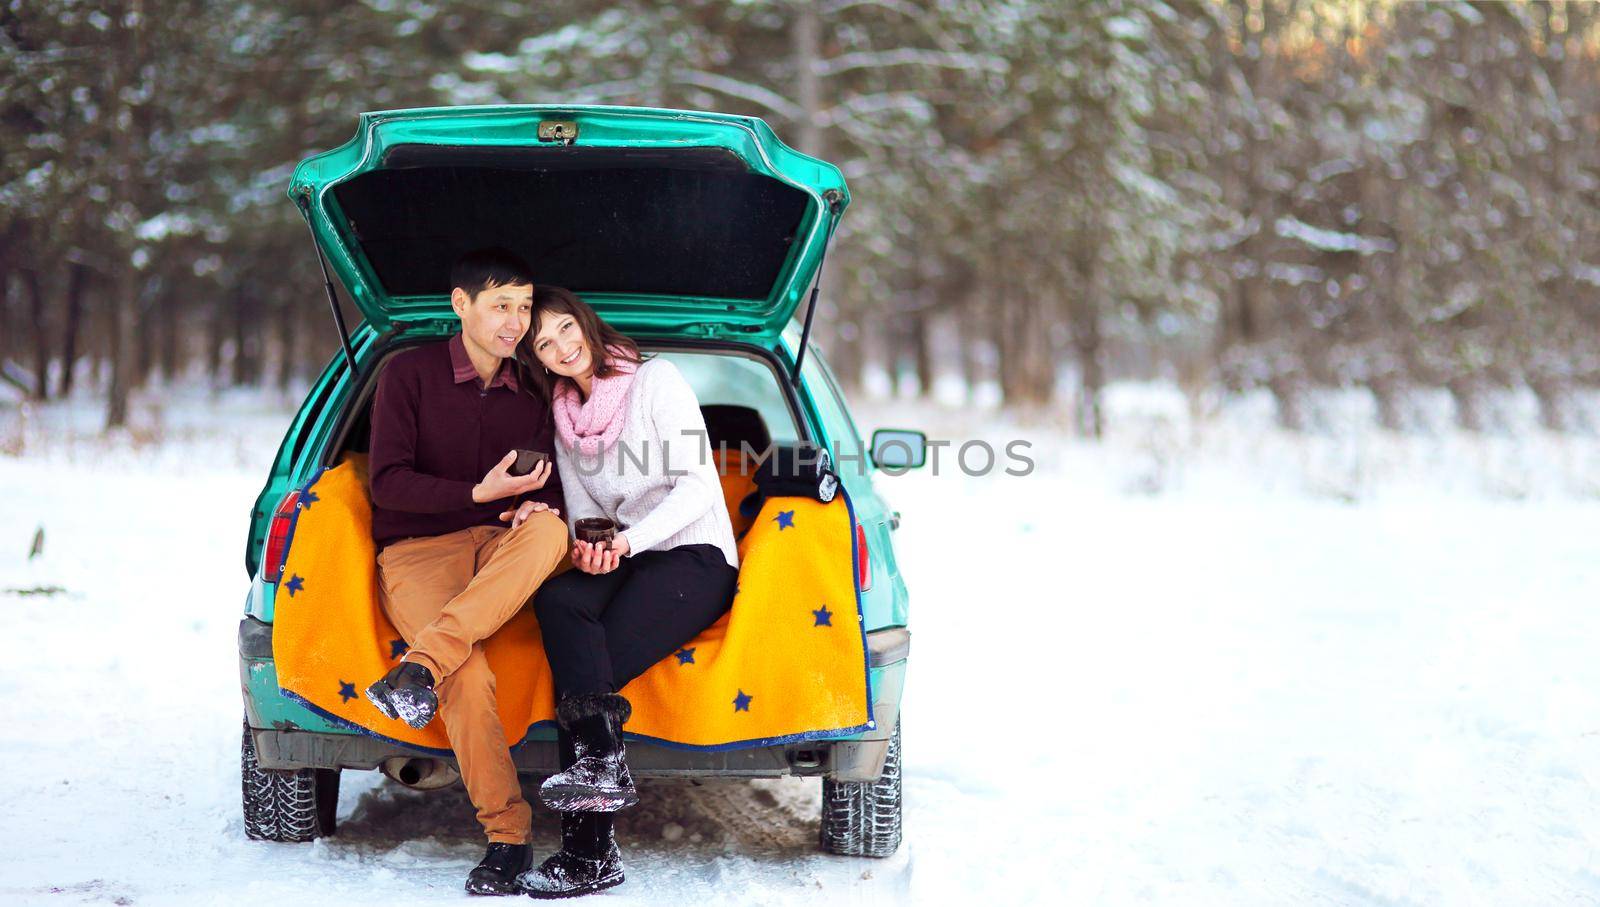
x: 290, y: 806
x: 862, y: 818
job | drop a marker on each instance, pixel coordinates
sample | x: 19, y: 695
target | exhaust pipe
x: 420, y: 774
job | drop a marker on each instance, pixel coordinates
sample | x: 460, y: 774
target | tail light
x: 863, y: 560
x: 278, y: 537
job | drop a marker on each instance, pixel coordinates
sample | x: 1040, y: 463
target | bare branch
x: 748, y: 91
x: 909, y: 10
x: 911, y: 56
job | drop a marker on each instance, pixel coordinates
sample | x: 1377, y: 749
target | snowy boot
x: 588, y: 860
x: 597, y: 780
x: 497, y: 872
x: 406, y: 693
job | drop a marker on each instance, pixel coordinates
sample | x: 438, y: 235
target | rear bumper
x: 289, y: 736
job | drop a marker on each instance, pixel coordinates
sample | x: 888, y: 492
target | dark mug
x: 595, y: 530
x: 526, y: 461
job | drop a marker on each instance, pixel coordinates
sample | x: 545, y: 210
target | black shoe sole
x: 378, y: 695
x: 573, y: 798
x: 494, y: 888
x: 591, y: 888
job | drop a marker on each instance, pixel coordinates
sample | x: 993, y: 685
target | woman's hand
x: 599, y: 558
x: 528, y: 508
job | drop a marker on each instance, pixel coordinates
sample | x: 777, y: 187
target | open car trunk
x: 730, y: 430
x: 792, y: 641
x: 663, y: 220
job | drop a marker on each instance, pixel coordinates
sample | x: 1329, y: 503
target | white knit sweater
x: 657, y: 481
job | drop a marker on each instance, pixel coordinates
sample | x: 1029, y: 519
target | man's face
x: 496, y: 318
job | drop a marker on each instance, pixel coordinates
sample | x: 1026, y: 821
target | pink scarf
x: 591, y: 426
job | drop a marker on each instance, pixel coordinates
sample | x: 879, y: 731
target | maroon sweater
x: 436, y: 431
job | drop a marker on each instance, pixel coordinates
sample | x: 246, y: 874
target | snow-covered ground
x: 1201, y: 663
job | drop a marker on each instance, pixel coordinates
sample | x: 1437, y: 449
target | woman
x: 630, y: 446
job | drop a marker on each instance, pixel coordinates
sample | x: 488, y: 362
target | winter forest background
x: 1296, y: 301
x: 1279, y: 196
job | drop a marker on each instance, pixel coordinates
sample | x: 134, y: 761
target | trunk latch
x: 563, y: 131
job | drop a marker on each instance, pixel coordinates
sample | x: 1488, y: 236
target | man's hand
x: 528, y: 508
x: 599, y: 558
x: 499, y: 484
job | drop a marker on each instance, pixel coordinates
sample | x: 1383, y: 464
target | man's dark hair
x: 481, y: 269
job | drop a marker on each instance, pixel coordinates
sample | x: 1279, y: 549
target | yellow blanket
x: 786, y: 663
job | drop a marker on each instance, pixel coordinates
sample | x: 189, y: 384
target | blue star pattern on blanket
x: 347, y: 691
x: 685, y: 656
x: 295, y: 584
x: 785, y: 519
x: 397, y: 648
x: 307, y: 499
x: 741, y: 702
x: 824, y: 617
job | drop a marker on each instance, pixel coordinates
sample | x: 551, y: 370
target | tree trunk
x: 41, y: 336
x: 1013, y: 343
x: 1388, y: 392
x: 167, y: 318
x: 1001, y: 334
x: 214, y: 340
x: 1468, y: 397
x: 893, y: 343
x: 922, y: 353
x: 144, y: 336
x: 1289, y: 393
x: 77, y: 283
x: 124, y: 71
x: 845, y: 327
x: 10, y: 341
x: 286, y: 347
x: 1553, y: 395
x: 246, y: 341
x: 967, y: 322
x: 123, y: 300
x: 1088, y: 338
x: 805, y: 46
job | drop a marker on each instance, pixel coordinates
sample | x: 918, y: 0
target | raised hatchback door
x: 664, y: 220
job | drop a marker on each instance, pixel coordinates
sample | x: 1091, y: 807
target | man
x: 446, y: 421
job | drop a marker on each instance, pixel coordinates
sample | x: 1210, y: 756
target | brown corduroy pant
x: 447, y: 593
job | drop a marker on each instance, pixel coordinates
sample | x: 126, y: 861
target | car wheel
x: 862, y: 818
x: 286, y: 806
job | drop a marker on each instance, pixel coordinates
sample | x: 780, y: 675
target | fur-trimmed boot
x: 597, y: 779
x: 588, y: 860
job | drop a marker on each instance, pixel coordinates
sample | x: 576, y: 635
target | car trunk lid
x: 663, y: 220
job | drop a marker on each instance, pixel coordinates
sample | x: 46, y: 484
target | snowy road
x: 1217, y: 695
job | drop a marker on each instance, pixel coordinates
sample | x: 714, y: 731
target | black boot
x: 588, y: 860
x: 597, y: 780
x: 406, y: 693
x: 497, y: 872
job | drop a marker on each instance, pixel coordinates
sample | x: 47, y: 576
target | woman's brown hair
x: 598, y: 335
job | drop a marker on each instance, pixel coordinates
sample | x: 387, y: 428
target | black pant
x: 602, y: 630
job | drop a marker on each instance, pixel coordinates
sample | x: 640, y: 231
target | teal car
x: 699, y: 234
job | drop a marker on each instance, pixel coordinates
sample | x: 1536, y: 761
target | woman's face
x: 559, y: 345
